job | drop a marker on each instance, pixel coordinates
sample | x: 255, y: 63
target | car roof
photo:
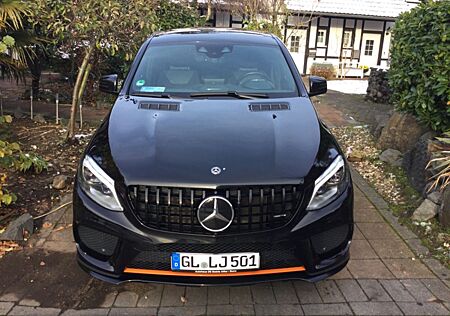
x: 213, y: 35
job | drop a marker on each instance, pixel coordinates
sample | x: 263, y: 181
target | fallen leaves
x: 8, y: 246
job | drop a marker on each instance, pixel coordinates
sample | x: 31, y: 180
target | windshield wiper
x: 233, y: 94
x: 152, y: 95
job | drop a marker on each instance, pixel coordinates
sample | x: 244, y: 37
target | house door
x: 369, y: 50
x: 297, y: 46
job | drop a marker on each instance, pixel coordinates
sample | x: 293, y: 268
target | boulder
x: 401, y: 132
x: 39, y: 118
x: 435, y: 197
x: 18, y: 114
x: 392, y: 157
x: 18, y: 229
x: 59, y: 182
x: 415, y: 161
x: 444, y: 210
x: 426, y: 211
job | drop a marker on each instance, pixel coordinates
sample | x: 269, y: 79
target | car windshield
x: 201, y: 69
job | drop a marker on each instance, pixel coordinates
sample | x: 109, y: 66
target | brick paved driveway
x: 384, y: 277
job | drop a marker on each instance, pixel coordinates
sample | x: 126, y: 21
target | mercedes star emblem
x: 216, y: 170
x: 215, y: 213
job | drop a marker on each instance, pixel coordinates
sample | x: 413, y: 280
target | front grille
x: 97, y: 241
x: 257, y: 208
x: 271, y: 255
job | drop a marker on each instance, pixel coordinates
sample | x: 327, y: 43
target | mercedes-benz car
x: 213, y: 167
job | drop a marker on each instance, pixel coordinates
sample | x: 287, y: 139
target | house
x: 350, y: 34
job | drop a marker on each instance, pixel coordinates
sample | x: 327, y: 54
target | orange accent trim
x: 229, y: 274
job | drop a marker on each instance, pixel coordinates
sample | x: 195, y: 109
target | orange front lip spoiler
x: 229, y: 274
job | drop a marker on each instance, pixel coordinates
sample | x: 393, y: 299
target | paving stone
x: 29, y: 302
x: 329, y: 292
x: 327, y: 309
x: 219, y: 295
x: 59, y: 246
x: 374, y: 291
x: 132, y: 311
x: 126, y: 299
x: 357, y: 235
x: 366, y: 213
x: 241, y: 295
x: 417, y: 247
x: 391, y: 248
x: 196, y: 296
x: 343, y: 274
x: 375, y: 308
x: 361, y: 249
x: 38, y: 311
x: 307, y: 292
x: 423, y: 309
x: 263, y: 293
x: 230, y: 310
x: 5, y: 307
x: 109, y: 299
x: 10, y: 297
x: 397, y: 291
x: 351, y: 291
x: 408, y: 269
x: 377, y: 231
x: 369, y: 269
x: 438, y: 288
x: 418, y: 290
x: 86, y: 312
x: 285, y: 309
x: 63, y: 234
x: 182, y: 310
x: 285, y: 292
x: 152, y: 297
x: 172, y: 295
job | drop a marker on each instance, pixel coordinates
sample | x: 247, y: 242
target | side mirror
x: 109, y: 84
x: 317, y: 85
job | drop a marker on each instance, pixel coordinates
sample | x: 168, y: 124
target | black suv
x: 213, y: 168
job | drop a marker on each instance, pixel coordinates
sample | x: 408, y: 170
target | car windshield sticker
x: 140, y: 83
x: 153, y: 89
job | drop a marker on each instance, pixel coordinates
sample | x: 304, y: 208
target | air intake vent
x: 257, y: 107
x: 159, y: 106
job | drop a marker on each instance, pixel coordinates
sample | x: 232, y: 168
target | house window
x: 295, y: 44
x: 368, y: 50
x: 347, y: 39
x: 321, y: 37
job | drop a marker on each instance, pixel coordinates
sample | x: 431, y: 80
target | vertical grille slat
x: 256, y: 208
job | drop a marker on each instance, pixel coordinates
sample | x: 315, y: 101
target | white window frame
x: 368, y: 47
x: 350, y: 38
x: 295, y: 44
x: 322, y: 39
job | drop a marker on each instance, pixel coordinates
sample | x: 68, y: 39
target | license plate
x: 205, y: 262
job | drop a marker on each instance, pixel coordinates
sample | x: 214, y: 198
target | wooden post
x: 31, y: 103
x: 57, y: 108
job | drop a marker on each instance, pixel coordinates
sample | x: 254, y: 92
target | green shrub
x: 323, y: 70
x: 420, y: 64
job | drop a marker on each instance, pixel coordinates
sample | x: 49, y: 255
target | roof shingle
x: 378, y: 8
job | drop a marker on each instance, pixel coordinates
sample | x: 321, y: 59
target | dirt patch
x: 35, y: 194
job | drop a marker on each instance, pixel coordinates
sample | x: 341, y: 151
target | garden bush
x: 420, y: 64
x: 323, y: 70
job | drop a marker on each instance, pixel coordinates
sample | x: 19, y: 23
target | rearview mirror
x: 317, y: 85
x: 109, y: 84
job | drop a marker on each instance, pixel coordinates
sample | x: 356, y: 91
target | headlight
x: 329, y: 185
x: 98, y: 185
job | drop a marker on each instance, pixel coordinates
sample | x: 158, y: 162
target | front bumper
x: 115, y: 247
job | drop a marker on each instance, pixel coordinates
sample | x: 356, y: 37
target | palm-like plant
x: 440, y: 163
x: 13, y: 39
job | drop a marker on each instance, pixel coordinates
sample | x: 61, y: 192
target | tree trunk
x: 209, y: 10
x: 76, y: 92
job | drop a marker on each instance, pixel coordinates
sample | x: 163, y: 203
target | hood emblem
x: 215, y: 213
x: 216, y: 170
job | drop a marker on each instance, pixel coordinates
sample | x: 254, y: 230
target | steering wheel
x: 256, y: 81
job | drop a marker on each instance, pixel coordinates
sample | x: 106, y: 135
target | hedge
x: 420, y: 63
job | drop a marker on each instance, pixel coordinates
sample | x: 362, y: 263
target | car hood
x: 179, y: 148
